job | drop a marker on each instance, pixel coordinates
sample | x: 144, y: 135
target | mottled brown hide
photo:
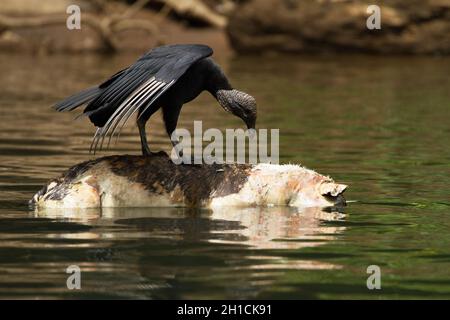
x: 193, y: 183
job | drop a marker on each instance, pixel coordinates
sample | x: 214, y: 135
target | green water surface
x: 379, y: 124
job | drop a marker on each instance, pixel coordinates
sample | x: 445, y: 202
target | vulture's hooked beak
x: 251, y: 123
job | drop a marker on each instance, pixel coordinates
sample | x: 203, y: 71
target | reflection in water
x: 262, y: 227
x: 254, y: 233
x: 284, y: 228
x: 266, y: 228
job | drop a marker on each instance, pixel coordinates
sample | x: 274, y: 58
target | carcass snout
x: 333, y: 192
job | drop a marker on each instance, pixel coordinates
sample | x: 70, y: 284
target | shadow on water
x: 378, y: 124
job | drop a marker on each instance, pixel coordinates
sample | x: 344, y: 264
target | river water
x: 379, y: 124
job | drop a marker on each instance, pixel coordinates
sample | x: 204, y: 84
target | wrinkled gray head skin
x: 240, y: 104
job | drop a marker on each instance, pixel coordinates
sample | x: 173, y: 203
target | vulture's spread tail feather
x: 78, y: 99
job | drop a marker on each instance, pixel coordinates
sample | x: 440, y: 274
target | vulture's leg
x: 144, y: 144
x: 141, y: 121
x: 170, y: 116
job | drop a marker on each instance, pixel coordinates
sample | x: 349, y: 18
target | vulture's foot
x: 148, y: 153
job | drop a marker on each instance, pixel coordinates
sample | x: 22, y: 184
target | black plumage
x: 166, y: 77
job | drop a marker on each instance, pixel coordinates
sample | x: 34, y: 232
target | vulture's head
x: 240, y: 104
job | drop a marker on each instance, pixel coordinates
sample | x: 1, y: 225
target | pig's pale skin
x: 132, y: 181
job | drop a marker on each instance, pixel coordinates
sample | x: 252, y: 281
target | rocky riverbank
x: 249, y: 26
x: 407, y: 27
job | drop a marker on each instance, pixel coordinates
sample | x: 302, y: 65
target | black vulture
x: 165, y: 77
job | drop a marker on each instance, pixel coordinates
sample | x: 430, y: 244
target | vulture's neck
x: 216, y: 79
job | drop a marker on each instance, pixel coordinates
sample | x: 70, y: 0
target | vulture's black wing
x: 86, y: 95
x: 113, y: 102
x: 145, y: 81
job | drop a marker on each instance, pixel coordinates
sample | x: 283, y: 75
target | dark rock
x: 407, y: 26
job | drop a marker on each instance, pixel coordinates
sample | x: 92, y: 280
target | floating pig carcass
x: 155, y: 181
